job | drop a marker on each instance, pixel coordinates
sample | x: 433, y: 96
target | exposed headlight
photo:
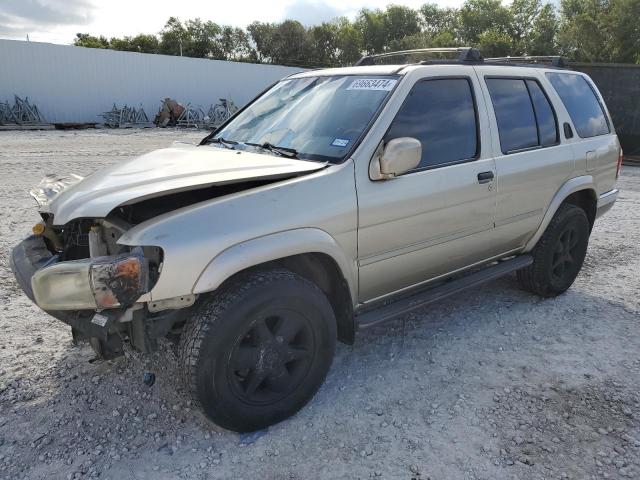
x: 64, y: 286
x: 92, y: 283
x: 119, y: 281
x: 51, y: 186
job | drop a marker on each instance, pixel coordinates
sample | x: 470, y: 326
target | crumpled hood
x: 170, y: 170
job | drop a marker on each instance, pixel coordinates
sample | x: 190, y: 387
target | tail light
x: 620, y: 160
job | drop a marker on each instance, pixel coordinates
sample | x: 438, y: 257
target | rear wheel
x: 559, y: 255
x: 257, y: 352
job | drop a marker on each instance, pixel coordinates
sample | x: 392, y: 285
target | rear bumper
x: 606, y: 201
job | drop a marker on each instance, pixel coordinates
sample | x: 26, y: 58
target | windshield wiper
x: 222, y: 141
x: 284, y: 151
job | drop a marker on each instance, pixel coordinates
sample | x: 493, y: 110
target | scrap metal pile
x: 125, y: 117
x: 172, y: 114
x: 221, y: 112
x: 21, y: 113
x: 169, y: 113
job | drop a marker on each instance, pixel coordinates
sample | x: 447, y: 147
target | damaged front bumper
x: 74, y: 291
x: 89, y: 284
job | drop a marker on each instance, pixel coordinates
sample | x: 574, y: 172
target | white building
x: 76, y: 84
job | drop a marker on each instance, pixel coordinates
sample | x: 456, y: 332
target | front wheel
x: 257, y: 352
x: 558, y: 256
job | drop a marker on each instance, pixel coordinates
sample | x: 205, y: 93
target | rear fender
x: 584, y: 182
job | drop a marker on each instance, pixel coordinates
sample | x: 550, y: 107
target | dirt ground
x: 494, y: 384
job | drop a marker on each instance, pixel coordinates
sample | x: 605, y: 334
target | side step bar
x: 405, y: 305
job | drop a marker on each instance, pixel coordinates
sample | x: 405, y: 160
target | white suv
x: 334, y: 201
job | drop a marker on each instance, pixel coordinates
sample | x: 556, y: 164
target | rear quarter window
x: 581, y: 102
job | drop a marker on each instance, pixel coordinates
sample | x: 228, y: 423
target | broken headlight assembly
x: 93, y: 283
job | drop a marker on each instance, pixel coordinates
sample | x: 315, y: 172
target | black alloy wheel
x: 565, y: 254
x: 559, y: 254
x: 257, y: 350
x: 272, y: 358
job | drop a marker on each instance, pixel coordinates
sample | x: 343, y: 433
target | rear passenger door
x: 532, y: 162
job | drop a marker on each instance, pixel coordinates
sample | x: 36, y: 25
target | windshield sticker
x: 340, y: 142
x: 372, y: 84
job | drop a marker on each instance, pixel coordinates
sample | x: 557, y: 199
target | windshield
x: 318, y: 118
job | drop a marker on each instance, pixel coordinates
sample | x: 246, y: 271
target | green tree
x: 400, y: 22
x: 542, y: 39
x: 203, y: 40
x: 349, y: 42
x: 436, y: 20
x: 234, y: 43
x: 323, y: 44
x: 145, y: 43
x: 89, y: 41
x: 523, y: 14
x: 290, y: 44
x: 624, y: 30
x: 262, y: 35
x: 173, y: 37
x: 478, y: 16
x: 533, y: 28
x: 121, y: 44
x: 494, y: 43
x: 371, y: 25
x: 583, y: 30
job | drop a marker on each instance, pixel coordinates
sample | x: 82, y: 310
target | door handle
x: 568, y: 133
x: 485, y: 177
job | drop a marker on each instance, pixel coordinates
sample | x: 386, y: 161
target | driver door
x: 439, y: 217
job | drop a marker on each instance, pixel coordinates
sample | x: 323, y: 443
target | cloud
x: 310, y: 12
x: 18, y: 17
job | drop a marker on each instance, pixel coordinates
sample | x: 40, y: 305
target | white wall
x: 76, y: 84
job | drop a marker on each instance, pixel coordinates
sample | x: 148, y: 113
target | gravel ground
x: 494, y: 384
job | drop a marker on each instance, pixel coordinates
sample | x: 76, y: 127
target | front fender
x: 584, y: 182
x: 273, y: 247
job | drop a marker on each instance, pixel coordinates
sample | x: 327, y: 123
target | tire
x: 256, y: 352
x: 559, y: 254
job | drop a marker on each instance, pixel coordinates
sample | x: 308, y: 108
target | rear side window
x: 441, y: 114
x: 524, y: 115
x: 514, y: 114
x: 547, y: 125
x: 582, y: 104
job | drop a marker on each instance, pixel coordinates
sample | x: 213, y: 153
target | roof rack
x: 553, y: 60
x: 465, y: 55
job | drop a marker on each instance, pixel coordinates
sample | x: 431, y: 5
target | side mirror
x: 399, y: 156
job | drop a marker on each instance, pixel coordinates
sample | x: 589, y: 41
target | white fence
x: 75, y: 84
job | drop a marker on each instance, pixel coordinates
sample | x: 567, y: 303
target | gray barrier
x: 620, y: 87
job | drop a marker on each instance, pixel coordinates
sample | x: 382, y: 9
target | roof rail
x: 553, y: 60
x: 465, y: 54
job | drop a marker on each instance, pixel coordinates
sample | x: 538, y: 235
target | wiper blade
x: 222, y: 141
x: 284, y: 151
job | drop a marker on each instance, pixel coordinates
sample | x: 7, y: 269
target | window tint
x: 547, y: 125
x: 441, y: 114
x: 581, y: 103
x: 514, y: 113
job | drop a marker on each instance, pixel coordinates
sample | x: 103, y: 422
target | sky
x: 57, y: 21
